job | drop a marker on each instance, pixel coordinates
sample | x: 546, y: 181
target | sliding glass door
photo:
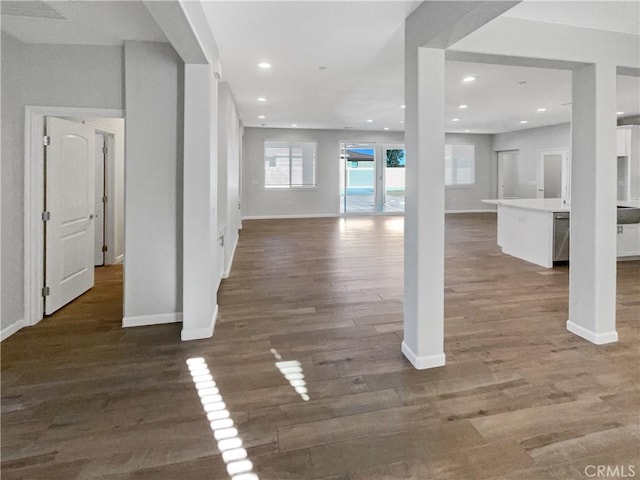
x: 394, y: 178
x: 372, y: 178
x: 358, y: 178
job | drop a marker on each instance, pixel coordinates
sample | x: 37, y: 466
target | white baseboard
x: 200, y: 333
x: 295, y: 215
x: 421, y: 363
x: 227, y: 271
x: 158, y: 319
x: 475, y: 210
x: 593, y: 337
x: 13, y: 328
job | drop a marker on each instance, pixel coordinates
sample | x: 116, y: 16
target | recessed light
x: 619, y: 113
x: 455, y: 119
x: 522, y: 82
x: 403, y: 106
x: 469, y: 79
x: 294, y: 125
x: 264, y: 65
x: 463, y: 106
x: 262, y: 99
x: 386, y: 128
x: 322, y: 68
x: 401, y: 121
x: 524, y: 121
x: 541, y: 109
x: 369, y: 121
x: 467, y: 131
x: 261, y: 117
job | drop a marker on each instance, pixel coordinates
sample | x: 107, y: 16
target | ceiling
x: 339, y: 64
x: 79, y: 22
x: 361, y: 44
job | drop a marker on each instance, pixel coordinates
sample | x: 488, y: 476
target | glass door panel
x: 358, y: 178
x: 394, y: 178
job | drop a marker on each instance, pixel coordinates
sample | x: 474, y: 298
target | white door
x: 508, y: 174
x: 69, y: 197
x: 99, y: 195
x: 551, y: 174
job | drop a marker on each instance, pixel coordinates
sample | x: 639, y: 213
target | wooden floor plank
x: 519, y: 398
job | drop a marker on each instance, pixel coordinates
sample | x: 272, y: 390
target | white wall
x: 229, y: 138
x: 529, y: 144
x: 153, y: 183
x: 322, y: 200
x: 469, y: 197
x: 43, y: 75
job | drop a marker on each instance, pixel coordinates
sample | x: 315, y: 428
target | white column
x: 592, y: 270
x: 199, y: 207
x: 423, y: 341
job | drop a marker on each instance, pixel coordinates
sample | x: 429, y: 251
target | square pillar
x: 592, y: 268
x: 200, y: 226
x: 423, y: 342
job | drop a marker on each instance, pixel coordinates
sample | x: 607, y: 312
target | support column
x: 592, y: 268
x: 200, y: 197
x: 423, y: 341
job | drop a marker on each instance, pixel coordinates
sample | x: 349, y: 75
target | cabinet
x: 628, y: 243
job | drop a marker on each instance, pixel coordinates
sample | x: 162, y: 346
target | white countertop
x: 540, y: 204
x: 547, y: 204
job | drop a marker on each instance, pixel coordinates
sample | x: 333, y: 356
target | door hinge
x: 104, y: 150
x: 104, y: 199
x: 46, y: 140
x: 46, y: 216
x: 104, y: 248
x: 46, y: 291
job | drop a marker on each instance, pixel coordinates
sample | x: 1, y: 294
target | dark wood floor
x: 520, y: 397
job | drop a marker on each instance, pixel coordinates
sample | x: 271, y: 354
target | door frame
x: 34, y: 128
x: 564, y: 180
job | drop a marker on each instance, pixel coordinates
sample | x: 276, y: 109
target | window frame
x: 454, y: 169
x: 290, y: 186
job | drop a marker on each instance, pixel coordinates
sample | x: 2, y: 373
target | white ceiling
x: 79, y: 22
x: 613, y: 15
x: 361, y: 44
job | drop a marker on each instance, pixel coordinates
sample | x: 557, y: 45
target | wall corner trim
x: 13, y: 328
x: 227, y: 270
x: 200, y: 333
x: 593, y: 337
x: 424, y: 362
x: 158, y: 319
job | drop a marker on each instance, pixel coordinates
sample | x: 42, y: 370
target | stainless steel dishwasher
x: 561, y: 237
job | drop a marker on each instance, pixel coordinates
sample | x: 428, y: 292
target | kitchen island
x: 537, y: 230
x: 526, y: 228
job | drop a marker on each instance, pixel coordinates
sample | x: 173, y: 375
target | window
x: 459, y: 164
x: 290, y: 164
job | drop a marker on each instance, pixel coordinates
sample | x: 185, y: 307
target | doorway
x: 358, y: 178
x: 508, y: 174
x: 65, y: 204
x: 552, y: 174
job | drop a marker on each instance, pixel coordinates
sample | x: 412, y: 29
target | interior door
x: 69, y: 199
x: 550, y: 179
x: 508, y: 175
x: 99, y: 195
